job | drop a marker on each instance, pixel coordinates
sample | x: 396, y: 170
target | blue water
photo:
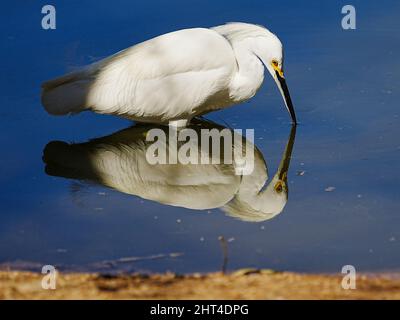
x: 344, y: 84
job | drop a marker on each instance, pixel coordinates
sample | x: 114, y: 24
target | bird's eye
x: 275, y: 63
x: 278, y: 187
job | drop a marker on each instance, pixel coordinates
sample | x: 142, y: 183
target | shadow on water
x: 120, y: 161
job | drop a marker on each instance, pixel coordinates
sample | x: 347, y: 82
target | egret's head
x: 266, y: 46
x: 269, y: 50
x: 266, y: 205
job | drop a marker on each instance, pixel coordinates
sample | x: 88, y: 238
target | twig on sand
x: 136, y: 259
x: 224, y: 246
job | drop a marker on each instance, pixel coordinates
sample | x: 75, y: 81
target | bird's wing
x: 164, y: 76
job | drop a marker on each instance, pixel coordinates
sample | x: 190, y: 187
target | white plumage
x: 173, y: 77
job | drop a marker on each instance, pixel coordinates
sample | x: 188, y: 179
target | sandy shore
x: 243, y: 284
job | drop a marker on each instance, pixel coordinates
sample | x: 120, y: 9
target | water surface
x: 343, y: 180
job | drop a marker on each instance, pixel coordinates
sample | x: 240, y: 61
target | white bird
x: 174, y: 77
x: 119, y: 161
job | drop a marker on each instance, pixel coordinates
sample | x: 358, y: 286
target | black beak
x: 286, y: 96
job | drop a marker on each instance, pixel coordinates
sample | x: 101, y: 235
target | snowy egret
x: 119, y: 161
x: 174, y: 77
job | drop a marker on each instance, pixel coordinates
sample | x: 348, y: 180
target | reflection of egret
x: 174, y: 77
x: 119, y: 161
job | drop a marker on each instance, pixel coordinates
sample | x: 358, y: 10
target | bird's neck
x: 249, y: 75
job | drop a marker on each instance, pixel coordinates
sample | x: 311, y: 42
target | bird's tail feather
x: 66, y: 94
x: 68, y: 161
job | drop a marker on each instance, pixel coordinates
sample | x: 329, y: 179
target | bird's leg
x: 179, y: 123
